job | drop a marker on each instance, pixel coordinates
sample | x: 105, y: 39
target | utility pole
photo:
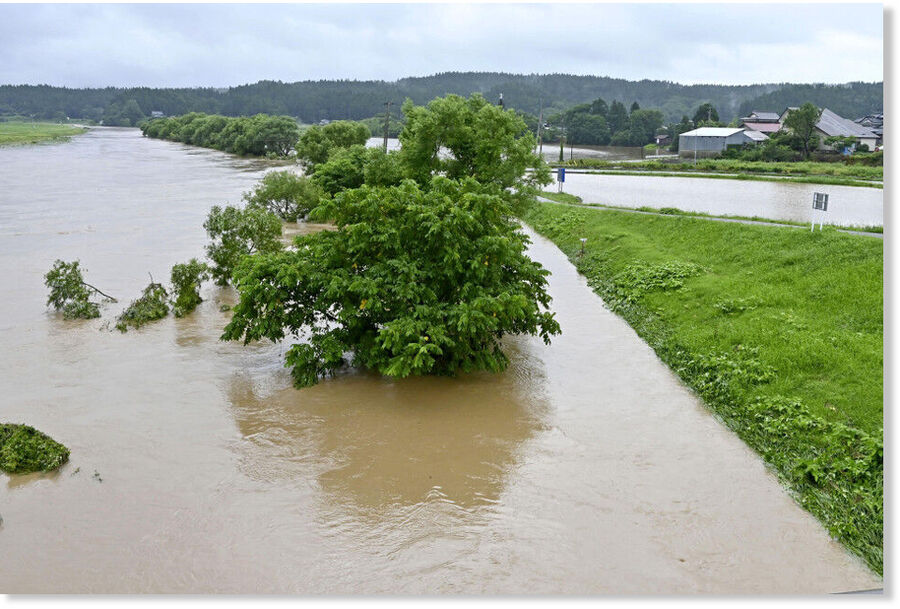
x: 387, y: 123
x: 540, y: 124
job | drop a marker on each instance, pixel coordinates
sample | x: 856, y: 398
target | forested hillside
x: 311, y: 101
x: 852, y: 100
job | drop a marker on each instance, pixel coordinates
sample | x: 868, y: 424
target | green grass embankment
x: 12, y: 133
x: 24, y: 449
x: 779, y: 331
x: 563, y: 197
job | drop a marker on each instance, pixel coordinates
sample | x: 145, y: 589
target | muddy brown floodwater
x: 584, y: 468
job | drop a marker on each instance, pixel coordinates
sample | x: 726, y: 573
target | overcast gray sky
x: 222, y: 45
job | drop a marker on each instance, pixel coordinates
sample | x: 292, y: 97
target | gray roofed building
x: 762, y: 117
x: 711, y: 141
x: 756, y: 136
x: 764, y: 122
x: 833, y: 125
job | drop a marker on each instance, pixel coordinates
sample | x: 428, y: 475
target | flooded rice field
x: 847, y: 205
x: 196, y: 467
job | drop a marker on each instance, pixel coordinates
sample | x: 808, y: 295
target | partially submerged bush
x: 236, y: 233
x: 24, y: 449
x: 152, y: 305
x: 186, y: 281
x: 286, y: 194
x: 69, y: 293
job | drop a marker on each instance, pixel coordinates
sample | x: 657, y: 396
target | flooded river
x: 195, y: 467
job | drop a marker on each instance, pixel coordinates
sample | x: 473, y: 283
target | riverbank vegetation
x: 779, y: 331
x: 258, y: 135
x: 19, y: 133
x: 24, y: 450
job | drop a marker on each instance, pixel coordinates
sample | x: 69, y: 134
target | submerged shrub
x: 69, y: 293
x: 152, y: 305
x: 186, y: 281
x: 24, y: 449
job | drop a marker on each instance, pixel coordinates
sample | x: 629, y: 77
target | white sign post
x: 820, y: 204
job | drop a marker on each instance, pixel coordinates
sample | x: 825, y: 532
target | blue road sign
x: 562, y: 174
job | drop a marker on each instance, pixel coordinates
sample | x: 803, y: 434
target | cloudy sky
x: 231, y: 44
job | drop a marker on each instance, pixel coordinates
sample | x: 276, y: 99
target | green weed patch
x: 24, y: 449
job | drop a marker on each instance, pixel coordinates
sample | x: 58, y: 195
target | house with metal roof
x: 710, y: 141
x: 874, y: 123
x: 831, y: 124
x: 764, y: 122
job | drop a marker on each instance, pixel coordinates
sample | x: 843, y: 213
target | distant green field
x: 781, y: 332
x: 32, y: 133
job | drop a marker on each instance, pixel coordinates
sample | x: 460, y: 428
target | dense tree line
x: 600, y: 124
x: 312, y: 101
x: 258, y: 135
x: 852, y: 100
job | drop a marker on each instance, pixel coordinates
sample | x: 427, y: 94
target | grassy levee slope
x: 779, y: 331
x: 12, y: 133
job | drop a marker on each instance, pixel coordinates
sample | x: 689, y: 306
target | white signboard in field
x: 820, y: 207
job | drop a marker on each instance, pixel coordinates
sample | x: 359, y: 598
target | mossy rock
x: 24, y: 449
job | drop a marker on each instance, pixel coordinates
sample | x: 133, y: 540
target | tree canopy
x: 318, y: 142
x: 802, y: 124
x: 706, y: 113
x: 416, y: 280
x: 459, y: 138
x: 426, y: 270
x: 285, y: 194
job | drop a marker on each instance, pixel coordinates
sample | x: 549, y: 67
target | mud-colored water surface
x: 584, y: 468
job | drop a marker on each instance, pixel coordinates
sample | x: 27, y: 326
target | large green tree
x: 424, y: 276
x: 415, y: 280
x: 706, y: 113
x: 617, y: 118
x: 802, y: 124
